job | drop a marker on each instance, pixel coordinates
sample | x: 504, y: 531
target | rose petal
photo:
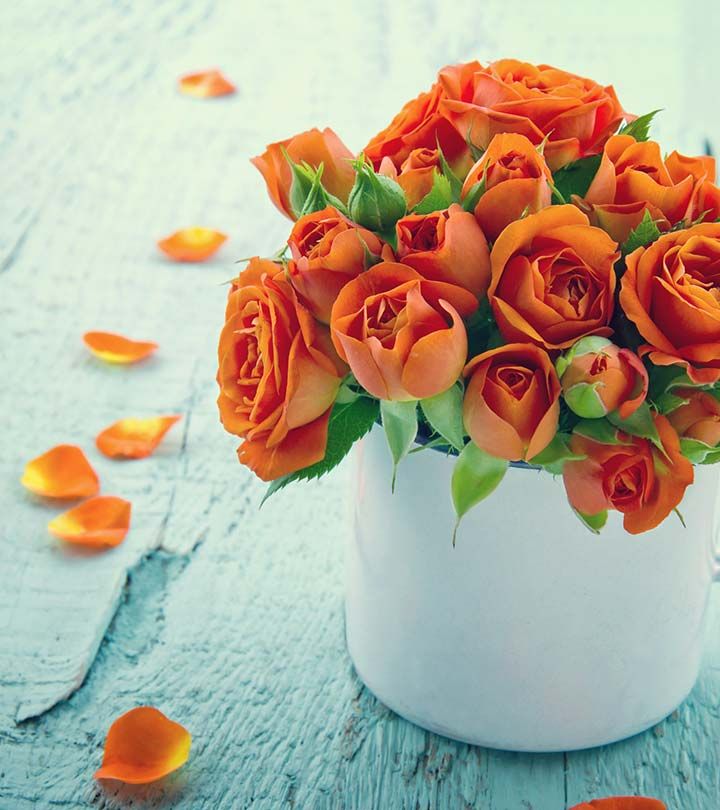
x: 61, y: 472
x: 134, y: 438
x: 192, y: 244
x: 205, y: 84
x: 101, y: 521
x: 143, y: 745
x: 114, y: 348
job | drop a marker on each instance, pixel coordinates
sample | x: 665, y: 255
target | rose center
x: 514, y: 380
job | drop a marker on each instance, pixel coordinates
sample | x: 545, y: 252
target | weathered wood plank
x: 228, y: 618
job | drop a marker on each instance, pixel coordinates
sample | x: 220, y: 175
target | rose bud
x: 515, y: 181
x: 376, y: 201
x: 512, y: 401
x: 402, y: 335
x: 698, y: 418
x: 327, y: 251
x: 446, y: 246
x: 312, y: 147
x: 598, y: 377
x: 634, y: 477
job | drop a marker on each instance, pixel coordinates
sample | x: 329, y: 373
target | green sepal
x: 554, y: 456
x: 349, y: 421
x: 639, y: 424
x: 438, y: 198
x: 399, y: 420
x: 376, y: 202
x: 668, y: 402
x: 456, y: 183
x: 593, y: 522
x: 444, y: 415
x: 644, y: 234
x: 640, y: 127
x: 318, y: 198
x: 599, y: 430
x: 475, y: 476
x: 472, y: 198
x: 576, y: 177
x: 584, y: 400
x: 698, y: 452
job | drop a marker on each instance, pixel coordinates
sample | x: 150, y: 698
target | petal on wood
x: 114, y: 348
x: 143, y: 745
x: 101, y: 521
x: 205, y: 84
x: 192, y: 244
x: 134, y: 438
x: 61, y: 472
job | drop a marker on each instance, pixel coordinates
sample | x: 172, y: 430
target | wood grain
x: 228, y: 618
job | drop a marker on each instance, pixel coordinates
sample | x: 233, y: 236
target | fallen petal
x: 192, y: 244
x: 143, y: 745
x: 101, y: 521
x: 134, y: 438
x: 114, y: 348
x: 205, y: 84
x: 61, y: 472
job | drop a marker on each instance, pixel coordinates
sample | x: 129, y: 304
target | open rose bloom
x: 510, y: 271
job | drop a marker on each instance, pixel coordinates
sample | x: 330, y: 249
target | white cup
x: 532, y: 634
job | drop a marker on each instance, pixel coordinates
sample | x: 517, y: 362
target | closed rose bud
x: 699, y: 418
x: 446, y: 246
x: 376, y: 201
x: 598, y: 377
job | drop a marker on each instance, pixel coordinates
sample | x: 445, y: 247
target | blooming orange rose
x: 633, y: 178
x: 553, y: 278
x: 598, y: 377
x: 313, y: 147
x: 446, y: 246
x: 577, y: 115
x: 516, y: 181
x: 420, y: 124
x: 512, y: 401
x: 671, y: 292
x: 402, y: 335
x: 327, y: 251
x: 698, y: 418
x: 278, y: 374
x: 633, y: 477
x: 416, y: 174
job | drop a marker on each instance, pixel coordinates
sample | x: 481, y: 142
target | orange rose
x: 416, y: 174
x: 278, y: 374
x: 420, y: 125
x: 516, y: 181
x: 671, y: 292
x: 553, y: 278
x: 446, y: 246
x: 633, y: 178
x: 577, y: 115
x: 634, y: 477
x: 313, y: 147
x: 512, y: 401
x: 402, y: 335
x: 327, y: 251
x: 697, y: 419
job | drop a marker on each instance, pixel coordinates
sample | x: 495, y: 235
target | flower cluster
x: 510, y: 270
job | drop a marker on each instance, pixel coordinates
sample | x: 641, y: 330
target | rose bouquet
x: 510, y: 271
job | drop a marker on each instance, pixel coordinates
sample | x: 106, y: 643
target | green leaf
x: 698, y: 452
x: 444, y: 413
x: 473, y: 196
x: 665, y: 378
x: 668, y: 402
x: 400, y: 422
x: 475, y: 476
x: 644, y: 234
x: 438, y: 198
x: 593, y: 522
x: 639, y: 424
x: 599, y: 430
x: 455, y: 182
x: 575, y: 178
x: 554, y: 456
x: 349, y: 421
x: 640, y: 127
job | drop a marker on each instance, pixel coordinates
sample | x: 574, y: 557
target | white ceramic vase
x: 532, y: 634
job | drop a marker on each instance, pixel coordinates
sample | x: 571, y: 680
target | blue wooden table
x: 228, y: 618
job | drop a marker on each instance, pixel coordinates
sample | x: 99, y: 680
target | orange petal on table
x: 205, y: 84
x: 134, y: 438
x: 192, y: 244
x: 143, y: 745
x: 101, y: 521
x: 61, y: 472
x: 117, y: 349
